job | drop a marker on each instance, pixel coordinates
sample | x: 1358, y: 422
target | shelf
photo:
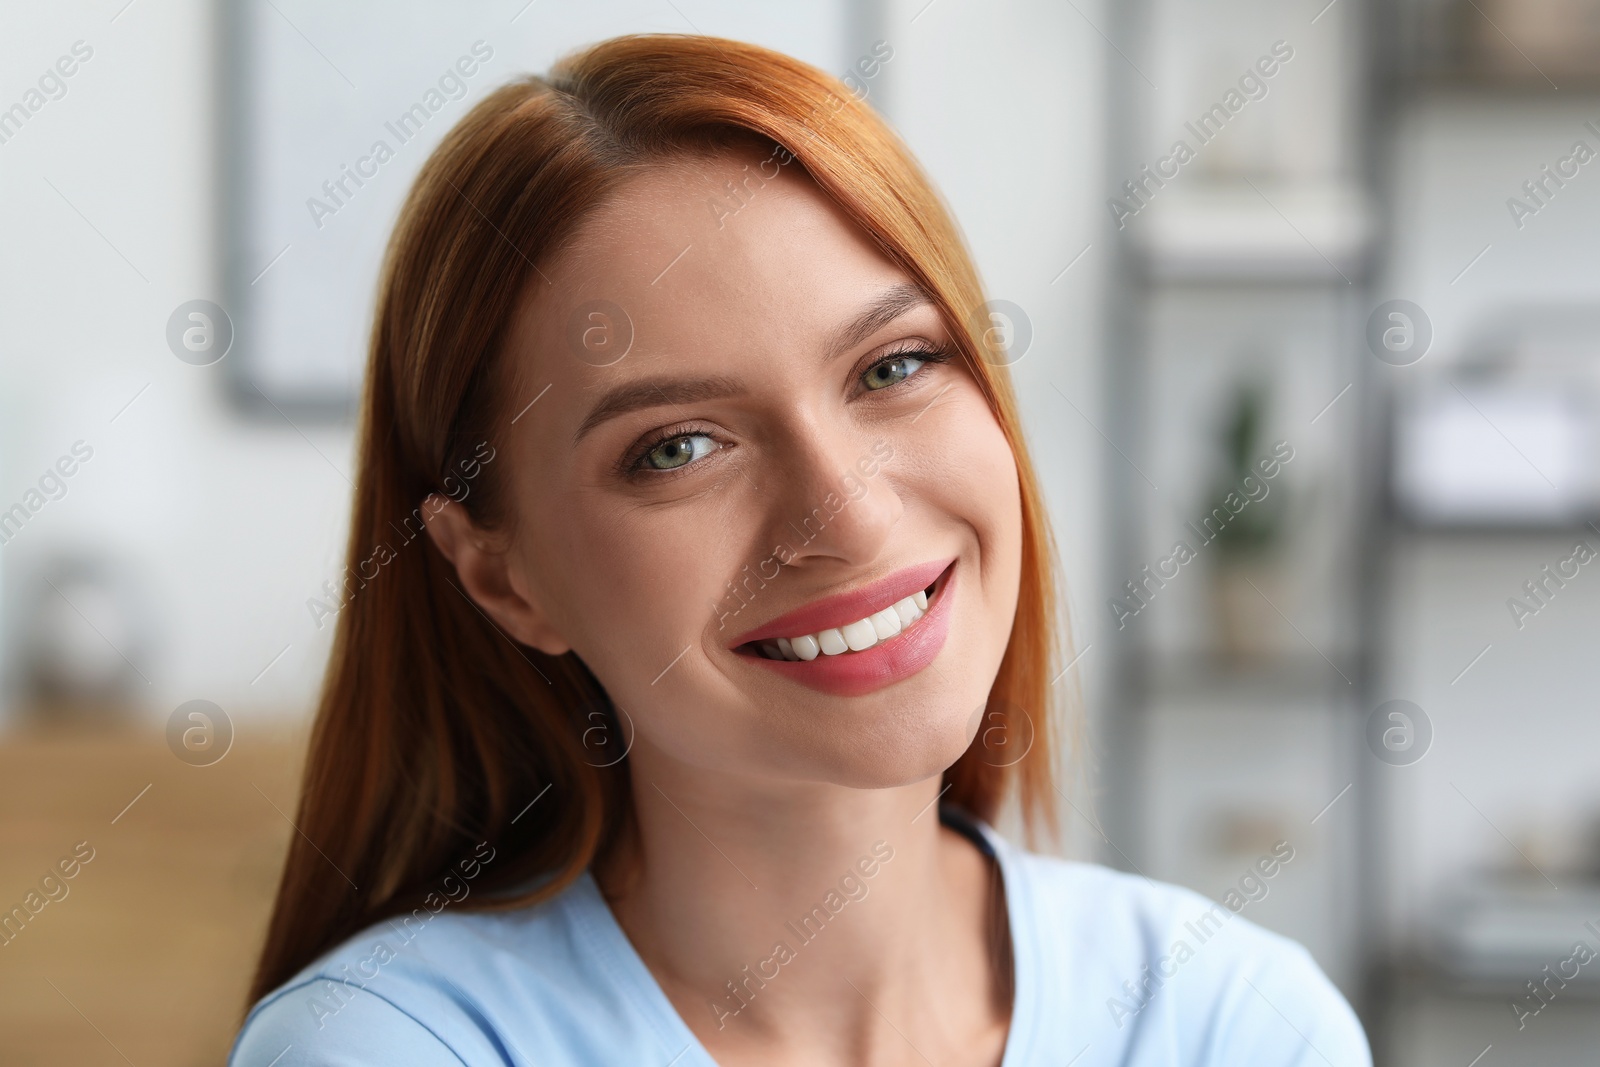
x: 1256, y: 230
x: 1272, y: 685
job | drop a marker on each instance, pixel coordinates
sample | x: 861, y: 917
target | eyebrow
x: 889, y: 305
x: 654, y: 392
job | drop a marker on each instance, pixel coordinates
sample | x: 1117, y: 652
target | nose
x: 837, y: 499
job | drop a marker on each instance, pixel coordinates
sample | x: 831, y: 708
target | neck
x: 758, y: 906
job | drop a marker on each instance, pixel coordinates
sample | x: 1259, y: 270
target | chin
x: 900, y: 748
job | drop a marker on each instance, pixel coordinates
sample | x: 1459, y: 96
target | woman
x: 699, y: 619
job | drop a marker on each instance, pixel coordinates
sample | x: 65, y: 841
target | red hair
x: 434, y: 730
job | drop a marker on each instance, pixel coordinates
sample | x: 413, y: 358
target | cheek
x: 642, y: 590
x: 958, y: 465
x: 964, y: 468
x: 637, y: 583
x: 633, y: 585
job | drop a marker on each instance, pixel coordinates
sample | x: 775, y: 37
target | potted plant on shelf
x: 1247, y: 565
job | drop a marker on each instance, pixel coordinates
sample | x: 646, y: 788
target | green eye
x: 679, y: 451
x: 891, y: 371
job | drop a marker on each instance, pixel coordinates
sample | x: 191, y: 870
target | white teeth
x: 858, y: 636
x: 885, y: 623
x: 831, y: 642
x: 880, y: 626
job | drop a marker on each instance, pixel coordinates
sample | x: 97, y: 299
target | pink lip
x: 857, y: 673
x: 844, y: 608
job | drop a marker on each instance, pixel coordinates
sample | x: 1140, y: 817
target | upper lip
x: 849, y: 606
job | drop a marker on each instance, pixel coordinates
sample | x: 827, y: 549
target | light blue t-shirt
x: 1110, y: 968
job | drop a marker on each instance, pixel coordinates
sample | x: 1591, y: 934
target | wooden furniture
x: 146, y: 958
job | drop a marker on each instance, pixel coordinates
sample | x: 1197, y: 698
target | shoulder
x: 285, y: 1031
x: 1163, y: 974
x: 456, y: 988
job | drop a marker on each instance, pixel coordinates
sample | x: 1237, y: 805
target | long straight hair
x: 435, y: 732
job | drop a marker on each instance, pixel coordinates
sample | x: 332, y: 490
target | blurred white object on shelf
x: 1481, y: 454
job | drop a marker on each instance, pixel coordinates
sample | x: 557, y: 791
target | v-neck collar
x: 623, y: 964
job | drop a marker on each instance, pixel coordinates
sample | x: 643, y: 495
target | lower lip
x: 851, y: 674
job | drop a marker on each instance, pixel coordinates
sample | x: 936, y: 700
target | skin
x: 756, y: 794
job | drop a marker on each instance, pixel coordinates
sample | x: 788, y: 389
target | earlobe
x: 490, y: 576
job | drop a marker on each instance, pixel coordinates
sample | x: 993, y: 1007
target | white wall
x: 219, y: 524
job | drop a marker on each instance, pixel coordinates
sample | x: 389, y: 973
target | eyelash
x: 923, y: 351
x: 630, y: 467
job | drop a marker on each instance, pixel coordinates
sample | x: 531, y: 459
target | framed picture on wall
x: 323, y: 135
x: 328, y: 114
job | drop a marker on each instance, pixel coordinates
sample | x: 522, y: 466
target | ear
x: 491, y: 575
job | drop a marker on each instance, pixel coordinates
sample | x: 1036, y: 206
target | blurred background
x: 1302, y: 301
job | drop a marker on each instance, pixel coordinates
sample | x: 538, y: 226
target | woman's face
x: 749, y: 425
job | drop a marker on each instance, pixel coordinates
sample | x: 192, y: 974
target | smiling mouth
x: 876, y: 629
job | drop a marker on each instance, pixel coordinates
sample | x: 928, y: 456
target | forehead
x: 692, y: 260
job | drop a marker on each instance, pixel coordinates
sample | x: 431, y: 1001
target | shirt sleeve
x: 366, y: 1031
x: 1286, y: 1013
